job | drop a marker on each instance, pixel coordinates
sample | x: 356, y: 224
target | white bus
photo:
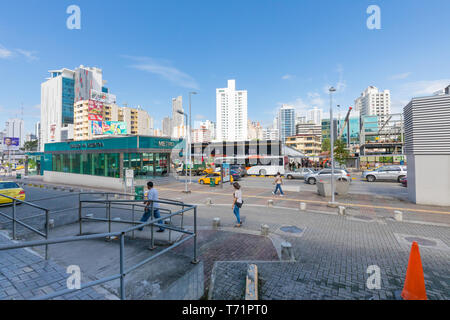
x: 258, y: 165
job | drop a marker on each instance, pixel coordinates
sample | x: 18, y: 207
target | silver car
x: 339, y: 174
x: 298, y: 174
x: 390, y: 173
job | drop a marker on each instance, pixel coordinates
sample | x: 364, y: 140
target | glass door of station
x: 147, y: 165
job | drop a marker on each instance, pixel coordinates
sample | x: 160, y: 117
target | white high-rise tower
x: 231, y: 113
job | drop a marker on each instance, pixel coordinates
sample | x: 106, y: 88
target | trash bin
x: 324, y: 187
x: 212, y: 182
x: 342, y: 187
x: 18, y: 176
x: 138, y: 192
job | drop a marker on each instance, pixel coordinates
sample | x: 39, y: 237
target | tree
x: 30, y: 145
x: 326, y: 145
x: 341, y: 153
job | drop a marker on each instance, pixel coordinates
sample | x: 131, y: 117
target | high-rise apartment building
x: 231, y: 113
x: 14, y: 128
x: 255, y: 131
x: 59, y: 92
x: 177, y: 118
x: 315, y: 116
x: 373, y: 102
x: 167, y: 126
x: 138, y: 122
x: 286, y: 122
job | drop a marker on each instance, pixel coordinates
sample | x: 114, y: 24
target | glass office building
x: 109, y: 157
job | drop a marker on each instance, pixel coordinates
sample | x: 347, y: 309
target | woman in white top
x: 278, y: 182
x: 237, y: 202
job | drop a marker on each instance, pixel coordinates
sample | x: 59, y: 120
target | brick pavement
x: 332, y: 257
x: 25, y: 275
x: 224, y: 245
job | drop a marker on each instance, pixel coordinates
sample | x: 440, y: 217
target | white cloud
x: 287, y: 77
x: 29, y: 55
x: 400, y: 76
x: 5, y: 53
x: 425, y: 87
x: 199, y: 117
x: 164, y: 70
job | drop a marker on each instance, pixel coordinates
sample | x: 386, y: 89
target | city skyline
x: 152, y: 73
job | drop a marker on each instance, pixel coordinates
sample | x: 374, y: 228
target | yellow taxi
x: 207, y: 178
x: 11, y: 189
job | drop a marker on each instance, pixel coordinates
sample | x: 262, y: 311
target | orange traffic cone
x: 414, y: 288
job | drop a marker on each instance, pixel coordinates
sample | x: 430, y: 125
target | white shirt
x: 238, y: 195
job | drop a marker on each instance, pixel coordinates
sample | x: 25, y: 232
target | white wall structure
x: 427, y: 147
x: 83, y: 180
x: 373, y: 102
x: 231, y: 113
x: 15, y: 128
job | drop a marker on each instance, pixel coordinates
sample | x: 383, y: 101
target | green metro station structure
x: 102, y: 162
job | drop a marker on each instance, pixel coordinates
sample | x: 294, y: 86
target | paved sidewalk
x: 370, y: 206
x: 25, y: 275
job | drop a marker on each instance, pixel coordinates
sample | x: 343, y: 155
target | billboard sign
x: 52, y: 135
x: 95, y: 110
x: 11, y: 143
x: 103, y: 97
x: 109, y: 127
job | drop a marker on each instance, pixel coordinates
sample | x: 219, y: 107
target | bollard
x: 302, y: 206
x: 264, y: 230
x: 398, y: 215
x: 208, y: 201
x: 270, y: 203
x: 341, y: 210
x: 286, y: 251
x: 216, y: 223
x: 251, y: 288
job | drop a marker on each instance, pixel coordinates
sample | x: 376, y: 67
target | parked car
x: 298, y: 174
x: 385, y: 173
x: 236, y: 175
x: 239, y: 168
x: 11, y: 189
x: 404, y: 181
x: 340, y: 175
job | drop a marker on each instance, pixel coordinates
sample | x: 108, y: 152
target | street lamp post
x: 189, y: 136
x: 185, y: 152
x: 332, y: 203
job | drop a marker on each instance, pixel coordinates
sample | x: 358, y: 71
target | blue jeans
x: 147, y: 213
x: 278, y: 187
x: 236, y: 213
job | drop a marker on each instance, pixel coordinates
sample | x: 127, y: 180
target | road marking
x: 320, y: 202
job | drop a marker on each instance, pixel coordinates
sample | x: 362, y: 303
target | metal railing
x: 120, y: 235
x: 15, y: 221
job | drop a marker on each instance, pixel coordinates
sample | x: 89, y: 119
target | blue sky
x: 285, y: 51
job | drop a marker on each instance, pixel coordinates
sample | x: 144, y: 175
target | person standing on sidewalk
x: 151, y: 198
x: 278, y: 182
x: 237, y: 203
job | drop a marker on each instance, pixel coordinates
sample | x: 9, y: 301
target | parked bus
x: 255, y: 164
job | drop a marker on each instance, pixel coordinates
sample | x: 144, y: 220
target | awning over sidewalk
x: 292, y: 153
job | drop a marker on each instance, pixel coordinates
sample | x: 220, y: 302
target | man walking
x: 151, y: 198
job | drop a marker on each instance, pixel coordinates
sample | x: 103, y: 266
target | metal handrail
x: 121, y: 234
x: 16, y: 221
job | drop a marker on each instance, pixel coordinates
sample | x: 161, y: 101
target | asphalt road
x: 358, y: 186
